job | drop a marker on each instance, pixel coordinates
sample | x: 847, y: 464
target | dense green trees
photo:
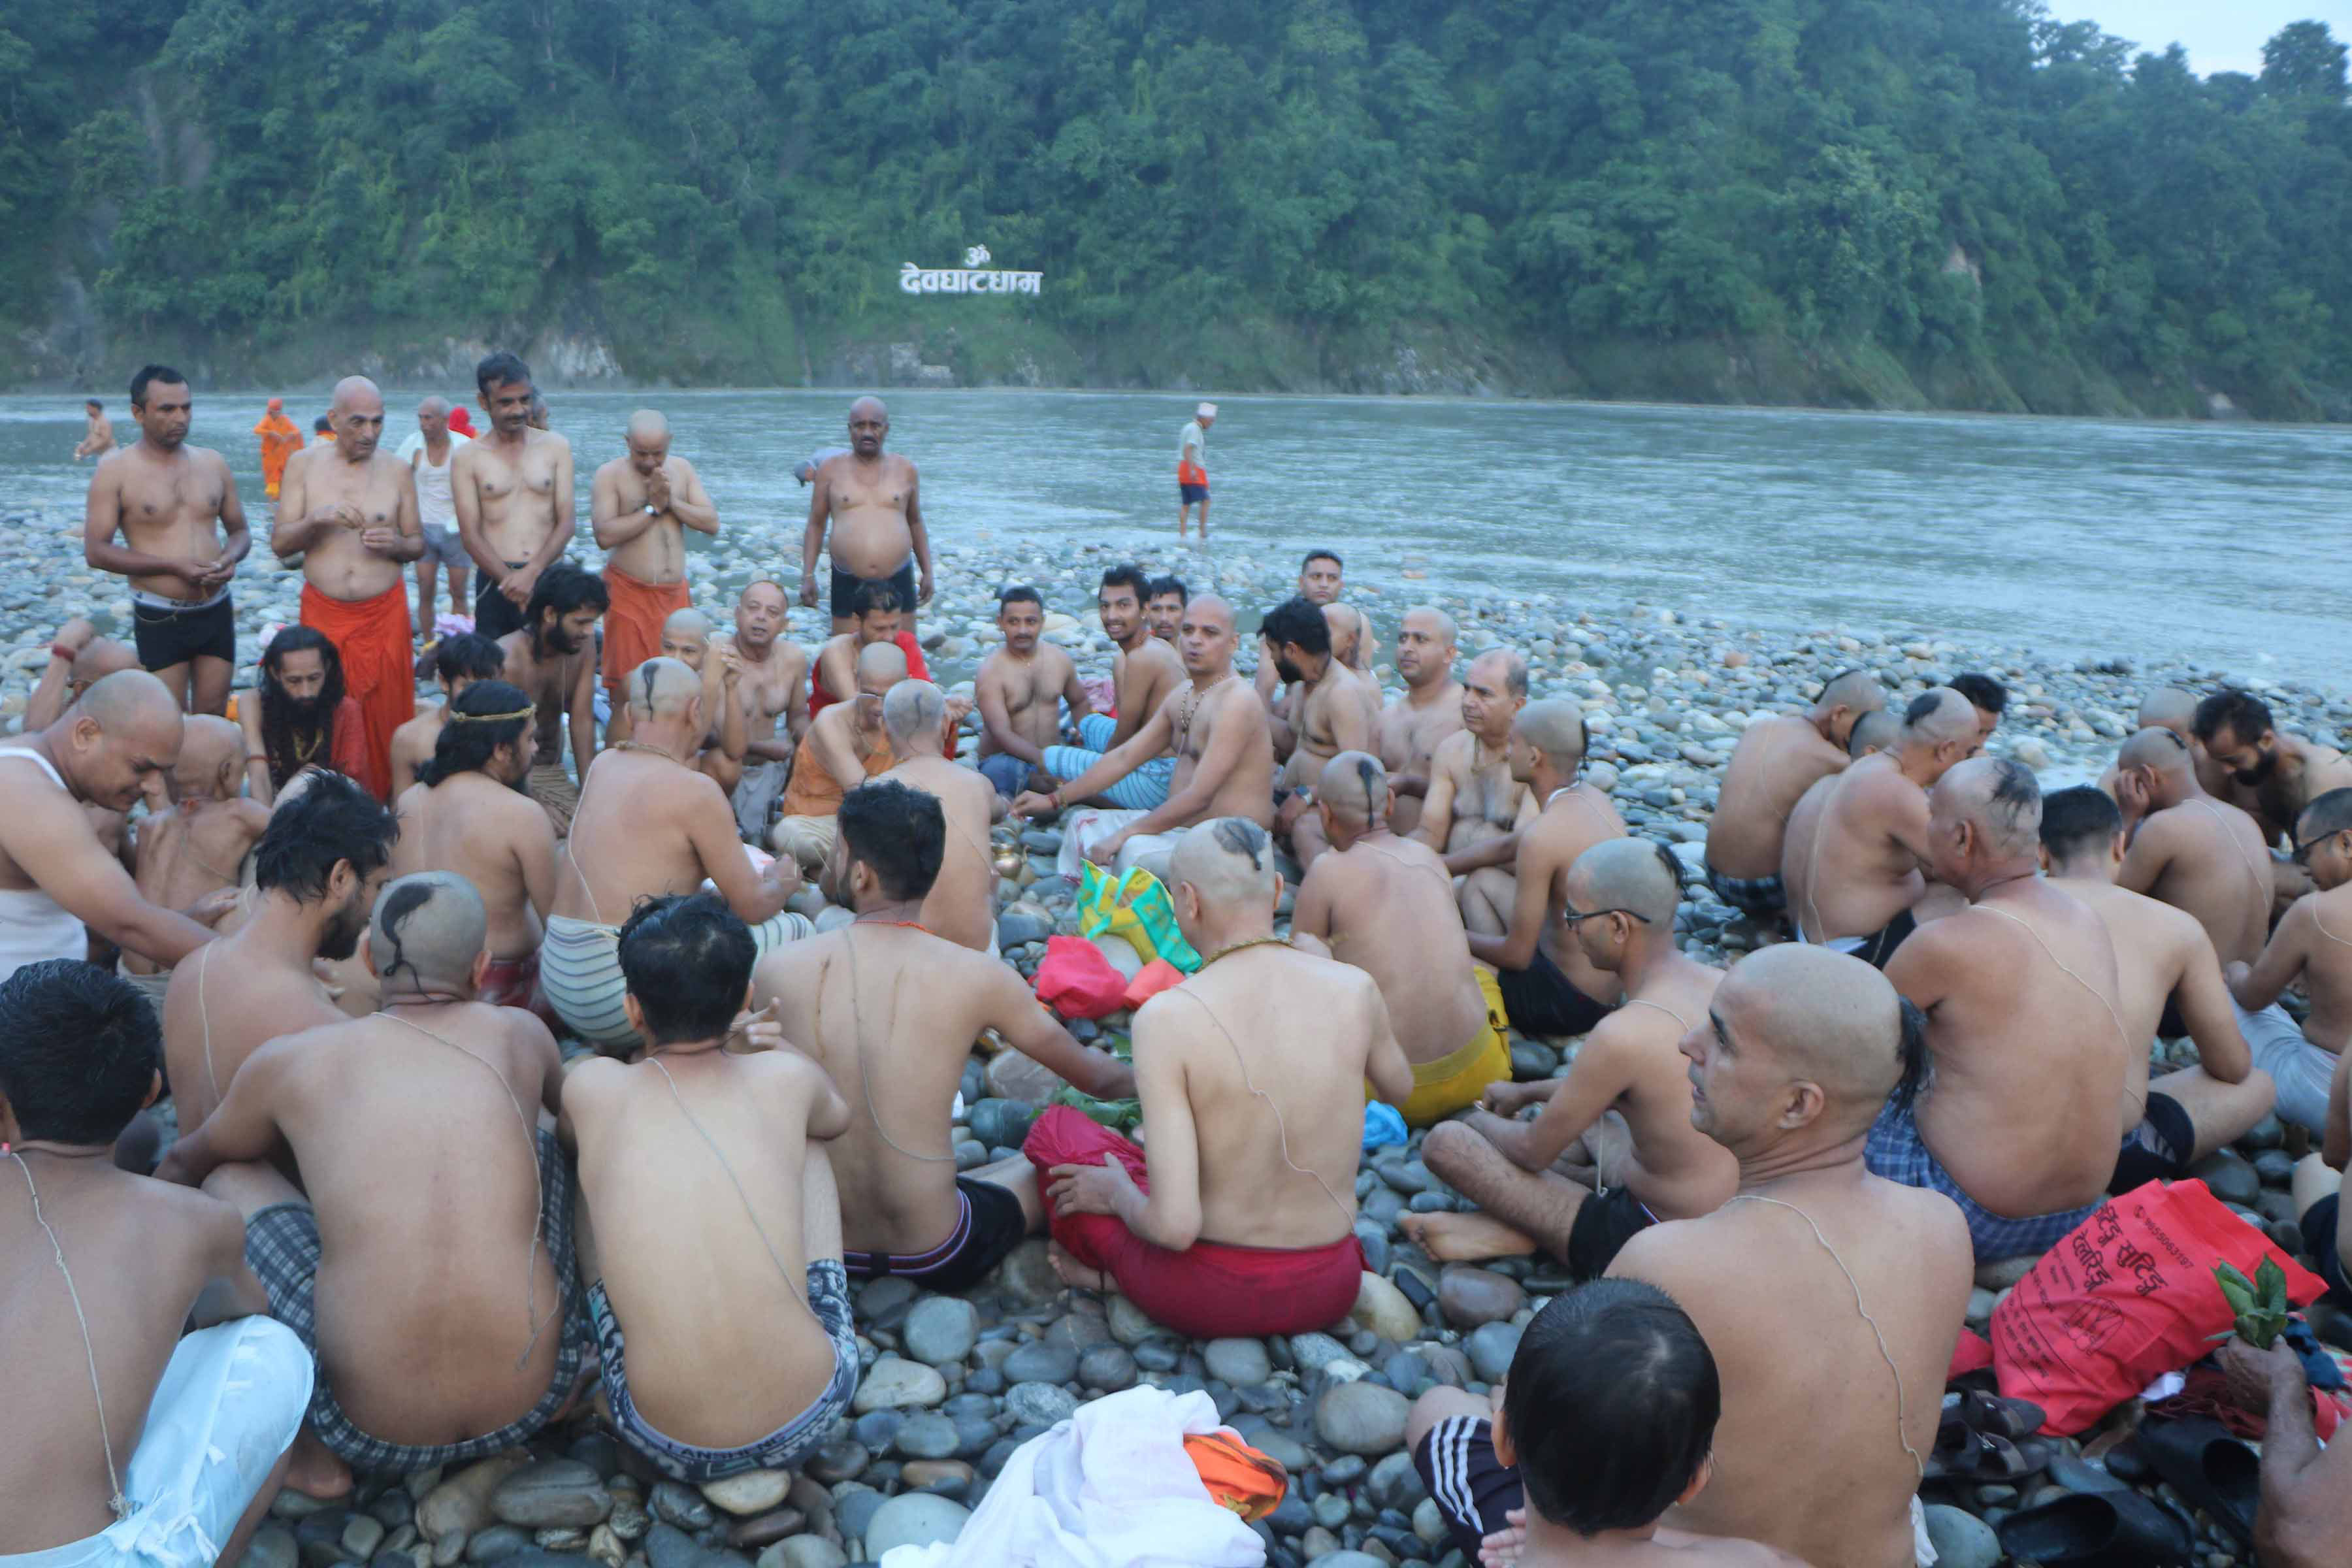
x: 1874, y: 199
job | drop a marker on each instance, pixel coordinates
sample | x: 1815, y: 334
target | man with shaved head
x: 1551, y: 986
x: 2021, y: 1125
x: 1873, y: 732
x: 194, y: 852
x: 79, y: 658
x: 1621, y: 1115
x: 110, y: 748
x: 845, y: 745
x: 513, y: 489
x: 1779, y: 758
x: 2313, y: 943
x: 1333, y: 710
x: 1386, y: 905
x: 347, y: 508
x: 961, y: 903
x: 873, y: 502
x: 649, y: 823
x: 430, y: 451
x: 2200, y: 855
x: 686, y: 636
x: 1473, y: 806
x: 1224, y: 759
x: 771, y: 685
x: 1237, y: 1216
x: 641, y: 504
x: 2285, y: 772
x: 1424, y: 713
x: 1858, y: 841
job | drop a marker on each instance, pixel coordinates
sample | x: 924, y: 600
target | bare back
x: 2156, y: 948
x: 196, y: 848
x: 225, y: 1001
x: 1142, y: 678
x: 645, y: 828
x: 1852, y: 859
x: 961, y: 904
x: 2207, y: 858
x: 1673, y: 1168
x: 498, y: 839
x: 1777, y: 759
x: 1390, y: 909
x: 1572, y: 822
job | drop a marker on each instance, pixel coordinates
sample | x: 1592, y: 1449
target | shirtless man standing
x: 315, y: 874
x: 889, y: 1010
x: 1474, y: 807
x: 428, y: 454
x: 2165, y: 968
x: 1386, y: 905
x: 2021, y: 1124
x: 349, y: 510
x: 1334, y: 710
x: 642, y: 505
x: 1143, y: 672
x: 1237, y: 1216
x: 1799, y: 1051
x: 192, y: 853
x: 873, y: 503
x: 961, y: 903
x: 1549, y: 987
x: 413, y: 1131
x: 1626, y: 1098
x: 2189, y: 850
x: 1020, y: 687
x: 549, y: 659
x: 1857, y: 840
x: 466, y: 814
x: 845, y: 745
x: 771, y: 684
x: 1777, y: 759
x: 458, y: 661
x: 2314, y: 941
x: 1224, y: 762
x: 649, y: 824
x: 1418, y: 718
x: 182, y: 530
x: 513, y: 489
x: 2287, y: 773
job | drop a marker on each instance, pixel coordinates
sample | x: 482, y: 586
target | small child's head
x: 80, y: 1053
x: 1609, y: 1408
x: 212, y: 759
x: 463, y: 657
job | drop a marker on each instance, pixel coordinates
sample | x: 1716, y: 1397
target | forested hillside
x: 1957, y: 203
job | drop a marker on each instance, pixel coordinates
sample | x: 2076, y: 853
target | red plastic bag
x: 2128, y: 1296
x: 1077, y: 982
x: 1153, y: 978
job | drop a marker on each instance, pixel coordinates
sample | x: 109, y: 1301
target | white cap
x: 1206, y: 411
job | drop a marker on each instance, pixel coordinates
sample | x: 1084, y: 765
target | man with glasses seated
x: 2314, y: 941
x: 1613, y: 1151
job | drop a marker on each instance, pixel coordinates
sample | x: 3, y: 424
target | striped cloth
x: 1145, y: 789
x: 580, y: 971
x: 1897, y: 1153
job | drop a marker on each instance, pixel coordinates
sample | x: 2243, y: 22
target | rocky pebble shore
x: 952, y: 1386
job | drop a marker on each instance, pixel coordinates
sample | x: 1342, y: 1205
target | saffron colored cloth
x: 379, y: 668
x: 820, y: 699
x: 633, y: 626
x: 1211, y: 1289
x: 280, y: 439
x: 348, y: 753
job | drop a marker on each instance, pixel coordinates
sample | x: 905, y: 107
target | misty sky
x: 2220, y: 35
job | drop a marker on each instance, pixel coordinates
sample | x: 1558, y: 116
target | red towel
x: 633, y: 626
x: 379, y: 669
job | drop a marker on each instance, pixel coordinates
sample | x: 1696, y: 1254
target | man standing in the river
x: 1191, y: 475
x: 873, y: 503
x: 512, y: 490
x: 429, y: 453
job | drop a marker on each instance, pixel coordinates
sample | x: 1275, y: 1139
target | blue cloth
x: 1898, y: 1153
x: 1383, y: 1125
x: 1009, y: 774
x: 1145, y: 789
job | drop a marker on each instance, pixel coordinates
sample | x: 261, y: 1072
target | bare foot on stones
x: 1072, y: 1272
x: 1465, y: 1238
x: 314, y: 1471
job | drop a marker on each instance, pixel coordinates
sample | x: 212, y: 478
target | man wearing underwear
x: 871, y: 502
x: 1143, y: 673
x: 1777, y: 759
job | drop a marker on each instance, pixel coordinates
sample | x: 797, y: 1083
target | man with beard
x: 771, y: 684
x: 548, y: 658
x: 877, y: 615
x: 1164, y: 599
x: 1422, y: 716
x: 299, y: 717
x: 512, y: 491
x: 349, y: 510
x: 1020, y: 688
x: 2287, y: 773
x: 644, y: 503
x: 1334, y: 709
x: 1143, y: 672
x: 315, y: 876
x: 874, y: 504
x: 183, y: 529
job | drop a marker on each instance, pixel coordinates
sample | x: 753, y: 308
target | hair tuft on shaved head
x: 1227, y: 861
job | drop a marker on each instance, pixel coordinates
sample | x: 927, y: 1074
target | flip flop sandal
x: 1999, y: 1417
x: 1980, y: 1456
x: 2210, y: 1469
x: 2098, y: 1529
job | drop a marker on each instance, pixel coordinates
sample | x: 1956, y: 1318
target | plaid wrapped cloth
x: 282, y: 1246
x: 1897, y: 1152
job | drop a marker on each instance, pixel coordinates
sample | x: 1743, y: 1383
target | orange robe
x: 633, y: 626
x: 379, y: 668
x: 279, y: 440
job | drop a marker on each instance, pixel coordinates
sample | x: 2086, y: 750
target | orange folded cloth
x: 633, y: 626
x: 1238, y: 1477
x: 378, y: 671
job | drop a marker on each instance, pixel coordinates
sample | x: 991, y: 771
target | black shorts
x: 1605, y: 1223
x: 2172, y: 1025
x: 495, y: 614
x: 166, y: 638
x: 990, y: 1225
x: 2319, y: 1241
x: 1543, y: 1000
x: 1875, y: 951
x: 1192, y: 492
x: 844, y: 587
x: 2160, y: 1147
x: 1473, y: 1489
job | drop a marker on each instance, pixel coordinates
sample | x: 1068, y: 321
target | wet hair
x: 565, y: 589
x: 503, y: 368
x: 1983, y: 692
x: 1159, y: 586
x: 2327, y: 813
x: 2243, y: 713
x: 1298, y: 620
x: 279, y: 742
x: 1128, y: 575
x: 899, y: 832
x: 1612, y: 1403
x: 1876, y: 728
x: 1019, y: 594
x: 331, y: 821
x: 469, y: 655
x: 2073, y: 819
x: 1315, y: 555
x: 149, y: 374
x: 78, y: 1050
x: 687, y: 958
x: 869, y: 597
x: 482, y: 718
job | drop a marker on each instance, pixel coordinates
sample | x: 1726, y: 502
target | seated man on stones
x: 686, y: 636
x: 1549, y: 987
x: 879, y: 616
x: 1873, y: 732
x: 2312, y: 944
x: 2165, y: 969
x: 1237, y: 1216
x: 1777, y: 759
x: 1144, y: 673
x: 2020, y: 1123
x: 890, y: 1012
x: 79, y: 658
x: 1164, y: 599
x: 775, y: 700
x: 961, y: 904
x: 1021, y: 689
x: 845, y: 745
x: 458, y: 662
x: 721, y: 1313
x: 415, y: 1131
x: 1987, y: 696
x: 2186, y: 849
x: 466, y: 814
x: 552, y: 660
x: 1386, y: 905
x: 649, y: 824
x: 1424, y: 715
x: 1830, y: 1397
x: 151, y: 1400
x: 297, y: 715
x: 1858, y: 841
x: 196, y: 851
x: 1332, y: 708
x: 1625, y: 1102
x: 1475, y: 805
x: 2285, y: 772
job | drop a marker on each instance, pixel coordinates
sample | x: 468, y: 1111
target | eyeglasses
x: 1571, y: 919
x: 2303, y: 851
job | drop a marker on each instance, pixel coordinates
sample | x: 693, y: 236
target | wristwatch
x: 652, y: 511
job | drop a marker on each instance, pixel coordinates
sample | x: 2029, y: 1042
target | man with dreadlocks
x: 299, y: 717
x: 552, y: 660
x: 466, y: 814
x: 416, y: 1133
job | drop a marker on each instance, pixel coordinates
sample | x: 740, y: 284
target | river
x: 2204, y: 543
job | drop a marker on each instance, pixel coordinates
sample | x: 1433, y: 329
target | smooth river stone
x: 941, y: 1330
x: 913, y: 1519
x: 1242, y: 1363
x: 893, y: 1383
x: 753, y: 1493
x: 1469, y: 1297
x: 462, y: 1502
x: 552, y: 1492
x: 1382, y: 1308
x: 1361, y: 1418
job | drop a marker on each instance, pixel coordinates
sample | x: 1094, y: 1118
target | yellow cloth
x: 1453, y: 1082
